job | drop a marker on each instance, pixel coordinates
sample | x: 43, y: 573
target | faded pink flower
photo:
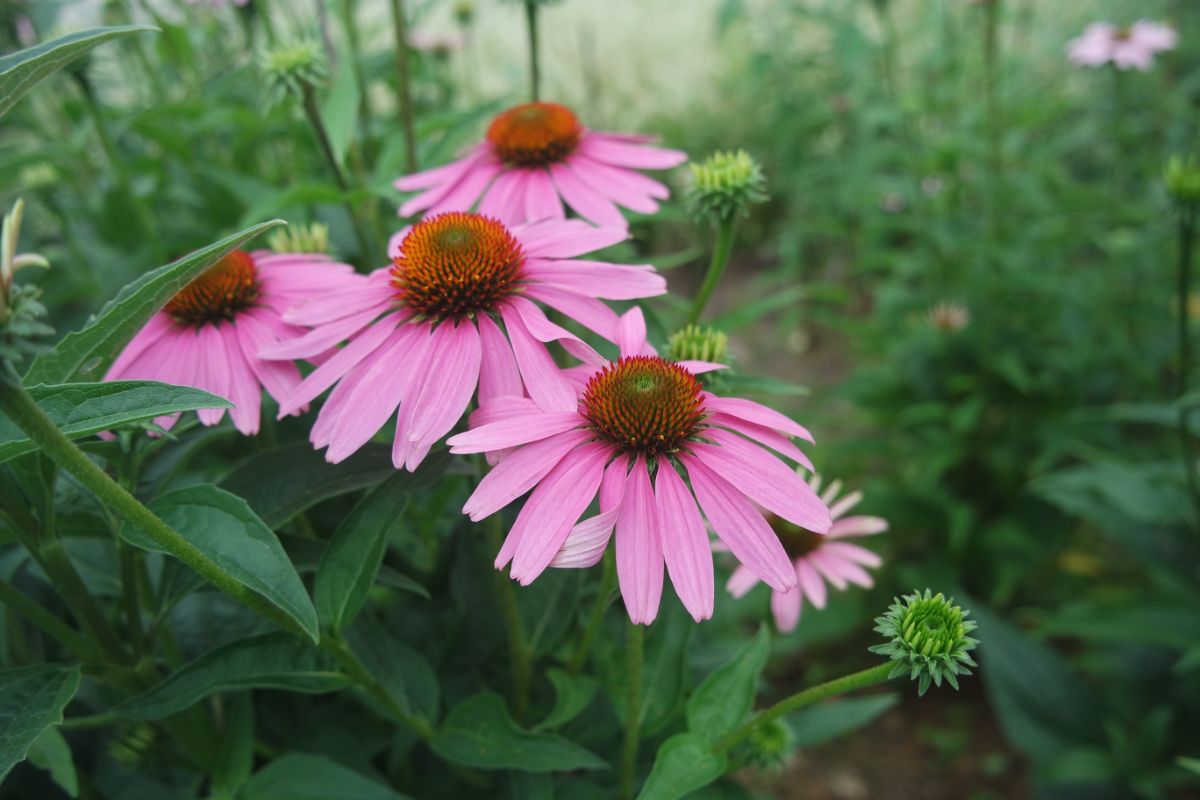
x: 454, y: 313
x: 642, y: 430
x: 1126, y: 48
x: 818, y: 560
x: 209, y: 334
x: 535, y: 157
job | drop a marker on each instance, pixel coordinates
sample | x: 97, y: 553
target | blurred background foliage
x: 968, y: 259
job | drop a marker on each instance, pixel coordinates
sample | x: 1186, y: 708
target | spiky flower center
x: 456, y: 265
x: 797, y: 541
x: 534, y: 134
x: 226, y: 288
x: 644, y: 405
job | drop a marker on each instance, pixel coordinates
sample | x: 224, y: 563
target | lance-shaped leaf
x: 32, y: 700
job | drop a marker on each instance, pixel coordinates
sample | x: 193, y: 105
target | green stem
x: 595, y: 617
x: 716, y: 269
x: 53, y: 558
x: 400, y: 24
x: 833, y: 688
x: 535, y: 72
x: 313, y: 112
x: 520, y: 659
x: 49, y: 624
x: 1187, y: 451
x: 20, y: 407
x: 130, y: 596
x: 362, y: 676
x: 634, y: 644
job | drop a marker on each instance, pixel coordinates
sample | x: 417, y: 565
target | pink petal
x: 498, y: 373
x: 587, y: 541
x: 767, y: 436
x: 448, y: 173
x: 520, y: 472
x: 741, y: 581
x: 504, y: 199
x: 150, y: 333
x: 464, y: 195
x: 567, y: 238
x: 513, y: 432
x: 857, y: 526
x: 631, y: 334
x: 811, y: 583
x: 854, y: 553
x: 548, y: 387
x: 610, y: 182
x: 637, y: 156
x: 599, y: 279
x: 586, y: 201
x: 785, y: 607
x: 321, y: 339
x: 827, y: 565
x: 639, y: 552
x: 541, y: 200
x: 279, y: 378
x: 587, y: 311
x: 244, y: 391
x: 685, y: 545
x: 340, y: 305
x: 213, y: 371
x: 342, y: 362
x: 756, y: 413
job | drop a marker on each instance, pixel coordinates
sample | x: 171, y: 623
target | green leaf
x: 280, y: 484
x: 269, y: 661
x: 683, y: 764
x: 299, y: 776
x: 479, y: 733
x: 726, y: 696
x: 32, y: 700
x: 223, y: 527
x: 89, y: 352
x: 404, y: 673
x: 572, y: 694
x: 826, y: 721
x: 340, y: 110
x: 235, y: 748
x: 52, y: 753
x: 24, y: 69
x: 83, y: 409
x: 352, y: 559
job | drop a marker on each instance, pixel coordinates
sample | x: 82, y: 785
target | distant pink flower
x: 535, y: 157
x: 454, y: 313
x: 818, y: 559
x: 209, y: 334
x: 642, y: 430
x: 1126, y: 48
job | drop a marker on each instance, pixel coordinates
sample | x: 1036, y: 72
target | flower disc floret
x: 456, y: 265
x: 644, y: 405
x: 226, y: 288
x: 535, y: 134
x: 928, y: 639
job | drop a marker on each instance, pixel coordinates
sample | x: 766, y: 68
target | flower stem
x: 17, y: 404
x: 634, y: 646
x: 833, y: 688
x: 362, y: 676
x: 596, y: 616
x: 1187, y: 451
x: 520, y: 658
x: 716, y: 269
x: 313, y: 112
x: 535, y: 72
x: 51, y: 625
x: 400, y: 25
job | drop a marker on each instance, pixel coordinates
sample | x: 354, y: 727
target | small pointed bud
x: 928, y: 639
x: 1182, y: 177
x: 724, y: 186
x: 311, y: 238
x: 294, y: 69
x: 695, y: 343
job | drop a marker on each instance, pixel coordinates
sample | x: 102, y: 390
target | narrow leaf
x: 32, y: 700
x: 299, y: 776
x: 683, y: 764
x: 52, y: 753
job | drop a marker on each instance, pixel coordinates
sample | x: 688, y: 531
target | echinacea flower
x: 642, y: 431
x: 818, y: 560
x: 535, y: 157
x: 1126, y: 48
x: 455, y: 312
x: 208, y: 335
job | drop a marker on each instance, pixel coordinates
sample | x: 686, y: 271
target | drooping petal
x: 785, y: 607
x: 213, y: 371
x: 514, y: 431
x: 599, y: 279
x: 639, y: 551
x: 611, y: 182
x: 541, y: 201
x: 520, y: 472
x: 585, y: 545
x: 811, y: 583
x: 757, y: 413
x: 776, y: 441
x: 636, y: 156
x: 548, y: 387
x: 741, y: 581
x: 685, y: 544
x: 342, y: 362
x: 586, y: 202
x: 857, y: 526
x: 244, y: 391
x: 498, y: 372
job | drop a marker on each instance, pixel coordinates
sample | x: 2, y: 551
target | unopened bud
x: 724, y: 186
x: 928, y: 639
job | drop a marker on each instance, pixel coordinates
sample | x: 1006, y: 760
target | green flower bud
x: 20, y: 311
x: 294, y: 69
x: 312, y: 238
x: 464, y: 12
x: 929, y: 639
x: 694, y: 343
x: 38, y: 176
x: 1182, y: 177
x: 771, y: 744
x: 725, y: 185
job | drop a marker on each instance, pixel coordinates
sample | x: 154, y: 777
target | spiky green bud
x: 293, y: 69
x: 311, y: 238
x: 771, y: 744
x: 694, y: 343
x: 724, y: 186
x: 1182, y: 177
x: 928, y: 639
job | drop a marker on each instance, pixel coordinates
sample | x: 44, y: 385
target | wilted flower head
x: 928, y: 639
x: 657, y: 450
x: 311, y: 238
x: 535, y: 157
x: 293, y: 69
x: 695, y: 343
x: 948, y: 316
x: 1182, y: 177
x: 725, y: 185
x: 818, y: 560
x: 20, y: 311
x: 1125, y: 48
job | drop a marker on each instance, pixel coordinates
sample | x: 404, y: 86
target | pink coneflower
x: 209, y: 334
x: 536, y: 156
x: 455, y: 312
x: 1126, y: 48
x: 818, y: 560
x: 642, y: 430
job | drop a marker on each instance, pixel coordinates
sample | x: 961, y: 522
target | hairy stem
x: 716, y: 269
x: 634, y: 645
x: 520, y: 658
x: 403, y: 88
x: 833, y: 688
x: 535, y: 72
x: 1187, y: 445
x: 49, y: 624
x: 595, y: 617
